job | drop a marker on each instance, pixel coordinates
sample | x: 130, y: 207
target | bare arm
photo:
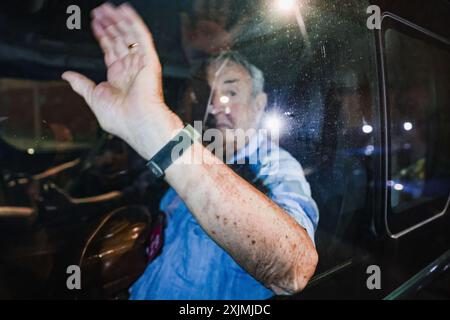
x: 257, y: 233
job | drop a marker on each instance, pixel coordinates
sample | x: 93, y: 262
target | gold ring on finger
x: 133, y: 45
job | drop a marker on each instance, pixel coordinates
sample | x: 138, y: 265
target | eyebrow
x: 231, y: 81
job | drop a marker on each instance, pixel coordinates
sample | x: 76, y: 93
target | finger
x: 108, y: 50
x: 102, y: 19
x: 122, y: 27
x: 104, y: 25
x: 105, y: 14
x: 109, y: 14
x: 137, y: 29
x: 111, y: 19
x: 120, y: 48
x: 105, y: 42
x: 81, y: 85
x: 98, y: 30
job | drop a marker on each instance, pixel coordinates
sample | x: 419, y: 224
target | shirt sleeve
x: 283, y: 176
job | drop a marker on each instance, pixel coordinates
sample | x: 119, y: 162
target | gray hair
x: 255, y: 73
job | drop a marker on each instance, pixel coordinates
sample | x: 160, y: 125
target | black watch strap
x: 168, y: 154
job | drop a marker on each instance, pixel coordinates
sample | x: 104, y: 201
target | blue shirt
x: 193, y: 266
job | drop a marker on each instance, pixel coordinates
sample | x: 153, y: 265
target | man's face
x: 233, y: 104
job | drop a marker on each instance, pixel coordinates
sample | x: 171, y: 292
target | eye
x: 231, y: 93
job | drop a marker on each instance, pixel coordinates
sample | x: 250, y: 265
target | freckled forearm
x: 256, y: 232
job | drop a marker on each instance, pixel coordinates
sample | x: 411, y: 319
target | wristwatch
x: 172, y: 151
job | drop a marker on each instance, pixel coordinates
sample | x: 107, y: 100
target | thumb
x: 80, y: 84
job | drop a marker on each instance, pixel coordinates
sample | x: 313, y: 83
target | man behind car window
x: 225, y: 239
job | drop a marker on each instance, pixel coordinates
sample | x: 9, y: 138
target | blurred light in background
x: 285, y: 5
x: 369, y: 150
x: 367, y: 129
x: 408, y: 126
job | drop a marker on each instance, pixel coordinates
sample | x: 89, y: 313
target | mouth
x: 223, y: 126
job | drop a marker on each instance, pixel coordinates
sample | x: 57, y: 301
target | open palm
x: 133, y: 91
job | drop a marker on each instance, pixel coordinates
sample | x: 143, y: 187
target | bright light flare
x: 224, y: 99
x: 369, y: 150
x: 407, y: 126
x: 273, y: 123
x: 285, y: 5
x: 367, y: 129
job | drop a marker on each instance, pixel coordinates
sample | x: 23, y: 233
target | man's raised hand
x: 130, y: 104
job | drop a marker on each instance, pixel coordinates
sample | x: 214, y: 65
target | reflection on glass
x: 40, y: 116
x: 420, y: 147
x: 408, y: 126
x: 285, y: 5
x: 367, y: 129
x: 224, y: 99
x: 273, y: 122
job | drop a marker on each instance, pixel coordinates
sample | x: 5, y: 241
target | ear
x: 260, y: 106
x: 261, y: 102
